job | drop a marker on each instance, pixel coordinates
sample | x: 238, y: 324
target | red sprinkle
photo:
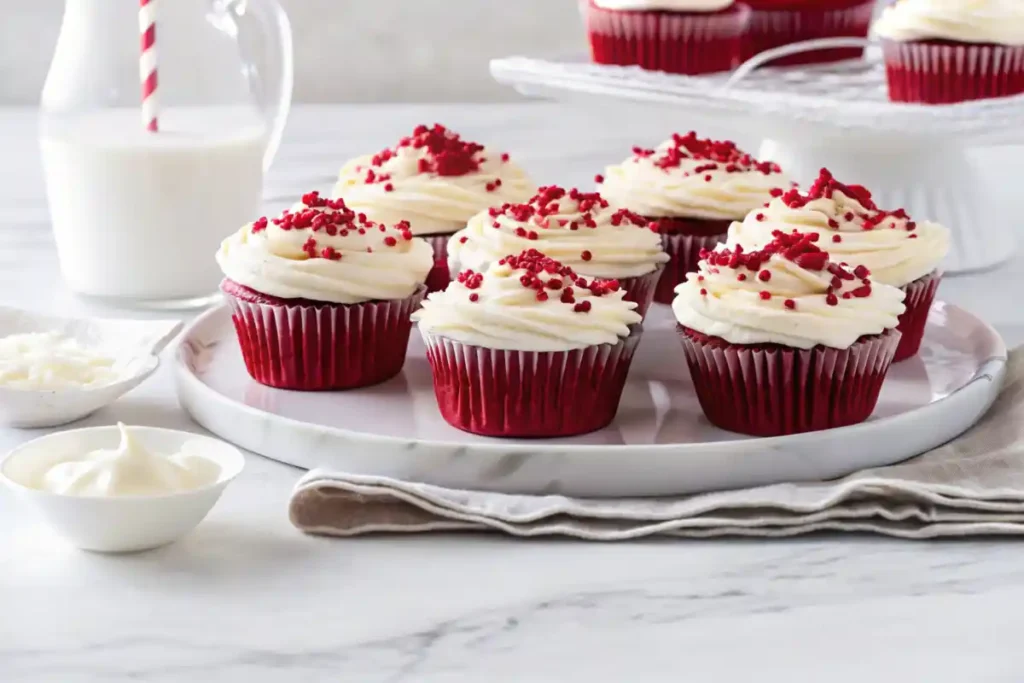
x: 765, y: 295
x: 764, y: 276
x: 599, y: 179
x: 586, y: 255
x: 790, y: 304
x: 582, y: 307
x: 474, y: 297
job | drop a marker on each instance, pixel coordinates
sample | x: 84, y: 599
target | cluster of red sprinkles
x: 546, y: 277
x: 552, y: 200
x: 825, y: 187
x: 333, y: 218
x: 721, y: 155
x: 800, y: 248
x: 445, y: 153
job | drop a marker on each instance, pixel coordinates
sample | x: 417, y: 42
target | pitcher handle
x: 274, y: 78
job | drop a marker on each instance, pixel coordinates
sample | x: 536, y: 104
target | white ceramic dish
x: 133, y: 343
x: 123, y: 523
x: 659, y: 444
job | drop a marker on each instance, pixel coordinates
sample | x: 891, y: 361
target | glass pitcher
x: 138, y: 213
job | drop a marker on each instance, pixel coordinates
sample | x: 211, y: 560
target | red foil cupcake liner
x: 641, y: 289
x: 684, y: 254
x: 324, y: 347
x: 677, y: 42
x: 493, y: 392
x: 771, y: 28
x: 940, y: 72
x: 439, y: 276
x: 771, y: 390
x: 920, y: 295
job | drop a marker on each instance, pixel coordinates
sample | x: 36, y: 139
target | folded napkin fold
x: 972, y: 485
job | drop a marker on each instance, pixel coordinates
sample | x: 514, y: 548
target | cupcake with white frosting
x: 435, y: 181
x: 774, y: 23
x: 578, y: 229
x: 945, y: 51
x: 528, y: 348
x: 692, y: 189
x: 783, y: 340
x: 898, y: 251
x: 677, y: 36
x: 321, y: 296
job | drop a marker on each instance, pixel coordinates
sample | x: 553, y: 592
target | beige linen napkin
x: 972, y: 485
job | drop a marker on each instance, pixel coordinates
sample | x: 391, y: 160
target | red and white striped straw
x: 147, y: 64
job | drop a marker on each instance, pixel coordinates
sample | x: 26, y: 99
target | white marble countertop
x: 247, y: 598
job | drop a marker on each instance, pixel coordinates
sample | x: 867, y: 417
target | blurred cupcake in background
x: 774, y: 23
x: 945, y: 51
x: 677, y: 36
x: 580, y: 230
x: 435, y: 181
x: 692, y: 189
x: 894, y: 248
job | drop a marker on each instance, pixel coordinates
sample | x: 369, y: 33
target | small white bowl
x: 133, y: 343
x: 118, y: 524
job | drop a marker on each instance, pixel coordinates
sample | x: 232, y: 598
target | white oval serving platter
x: 659, y: 444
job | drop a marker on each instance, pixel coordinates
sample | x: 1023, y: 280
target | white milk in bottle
x: 137, y: 216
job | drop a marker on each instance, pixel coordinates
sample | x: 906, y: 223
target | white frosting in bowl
x: 129, y: 470
x: 693, y: 178
x: 433, y: 179
x: 966, y: 21
x: 528, y: 302
x: 49, y: 361
x: 789, y: 293
x: 322, y: 250
x: 578, y: 229
x: 665, y: 5
x: 896, y: 249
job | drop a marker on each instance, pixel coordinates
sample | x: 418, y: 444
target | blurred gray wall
x: 351, y: 50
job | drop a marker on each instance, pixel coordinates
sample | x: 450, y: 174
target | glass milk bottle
x: 158, y: 120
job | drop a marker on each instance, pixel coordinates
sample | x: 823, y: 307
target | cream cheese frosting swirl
x: 691, y: 177
x: 966, y: 21
x: 788, y: 293
x: 528, y: 302
x: 323, y: 251
x: 578, y: 229
x: 665, y: 5
x: 896, y: 249
x: 433, y: 179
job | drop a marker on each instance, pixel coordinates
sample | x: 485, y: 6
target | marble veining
x: 246, y: 598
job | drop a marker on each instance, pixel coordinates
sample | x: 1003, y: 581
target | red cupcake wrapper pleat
x: 769, y: 29
x: 920, y: 295
x: 943, y: 73
x: 684, y: 252
x: 641, y: 289
x: 494, y: 392
x: 776, y: 391
x: 684, y: 43
x: 439, y: 275
x: 319, y: 348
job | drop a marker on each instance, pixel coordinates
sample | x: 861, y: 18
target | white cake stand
x: 835, y: 115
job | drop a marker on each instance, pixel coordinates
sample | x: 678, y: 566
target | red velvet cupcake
x: 896, y: 249
x: 692, y: 189
x: 578, y: 229
x: 941, y: 53
x: 774, y: 23
x: 321, y: 297
x: 677, y: 36
x: 783, y: 340
x: 435, y: 181
x: 528, y: 348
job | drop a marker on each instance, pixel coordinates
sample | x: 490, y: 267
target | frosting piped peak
x: 530, y: 302
x: 579, y: 229
x: 691, y: 177
x: 788, y: 292
x: 890, y: 243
